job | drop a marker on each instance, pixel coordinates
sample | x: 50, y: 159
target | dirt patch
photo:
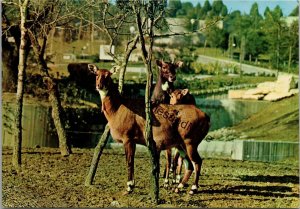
x: 49, y: 180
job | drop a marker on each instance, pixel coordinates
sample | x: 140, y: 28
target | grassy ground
x: 49, y: 180
x: 279, y: 121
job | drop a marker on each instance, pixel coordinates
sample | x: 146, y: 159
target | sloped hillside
x: 278, y: 121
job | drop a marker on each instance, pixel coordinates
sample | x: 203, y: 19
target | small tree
x: 23, y: 6
x: 46, y: 17
x: 36, y: 21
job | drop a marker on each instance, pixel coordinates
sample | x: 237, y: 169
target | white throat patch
x: 165, y: 86
x: 103, y: 93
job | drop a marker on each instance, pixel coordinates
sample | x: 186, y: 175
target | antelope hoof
x: 130, y: 186
x: 177, y: 190
x: 166, y: 183
x: 178, y: 178
x: 126, y: 193
x: 193, y: 190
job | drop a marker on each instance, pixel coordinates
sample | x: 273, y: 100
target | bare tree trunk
x: 57, y: 111
x: 149, y: 139
x: 20, y: 90
x: 54, y: 99
x: 97, y: 154
x: 147, y: 58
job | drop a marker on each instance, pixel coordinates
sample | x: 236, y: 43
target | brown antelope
x: 163, y: 87
x: 164, y: 84
x: 179, y: 96
x: 182, y: 126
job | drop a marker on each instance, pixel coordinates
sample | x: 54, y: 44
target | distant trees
x: 267, y: 35
x: 295, y: 11
x: 218, y: 9
x: 174, y: 6
x: 251, y: 35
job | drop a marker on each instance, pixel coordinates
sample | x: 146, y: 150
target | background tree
x: 216, y: 8
x: 45, y: 16
x: 224, y: 11
x: 187, y: 9
x: 267, y: 10
x: 42, y: 17
x: 215, y: 37
x: 295, y: 11
x: 197, y: 11
x: 255, y: 17
x: 23, y: 6
x: 174, y: 7
x: 274, y: 25
x: 10, y: 48
x: 205, y: 9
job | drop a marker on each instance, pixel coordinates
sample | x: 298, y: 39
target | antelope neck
x: 110, y: 101
x: 103, y: 93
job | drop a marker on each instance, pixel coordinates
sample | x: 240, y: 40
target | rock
x: 276, y: 96
x: 266, y: 87
x: 294, y: 91
x: 115, y: 204
x: 253, y: 96
x: 284, y: 83
x: 269, y: 91
x: 236, y: 94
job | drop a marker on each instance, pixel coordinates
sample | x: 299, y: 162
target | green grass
x: 212, y: 52
x: 279, y: 121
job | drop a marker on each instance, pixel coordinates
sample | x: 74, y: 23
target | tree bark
x: 96, y: 158
x: 149, y: 139
x: 147, y: 58
x: 56, y: 113
x: 17, y: 148
x: 57, y: 110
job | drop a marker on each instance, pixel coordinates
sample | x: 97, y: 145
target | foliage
x: 216, y: 82
x: 214, y: 68
x: 295, y: 12
x: 215, y: 37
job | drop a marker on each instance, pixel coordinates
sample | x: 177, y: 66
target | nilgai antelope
x: 161, y: 95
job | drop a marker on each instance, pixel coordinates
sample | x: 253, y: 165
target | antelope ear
x: 184, y: 92
x: 93, y: 68
x: 108, y: 74
x: 159, y: 63
x: 179, y: 64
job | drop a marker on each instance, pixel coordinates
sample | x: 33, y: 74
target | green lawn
x: 279, y: 121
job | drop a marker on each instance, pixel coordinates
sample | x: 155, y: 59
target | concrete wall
x: 36, y: 122
x: 264, y: 151
x: 227, y: 112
